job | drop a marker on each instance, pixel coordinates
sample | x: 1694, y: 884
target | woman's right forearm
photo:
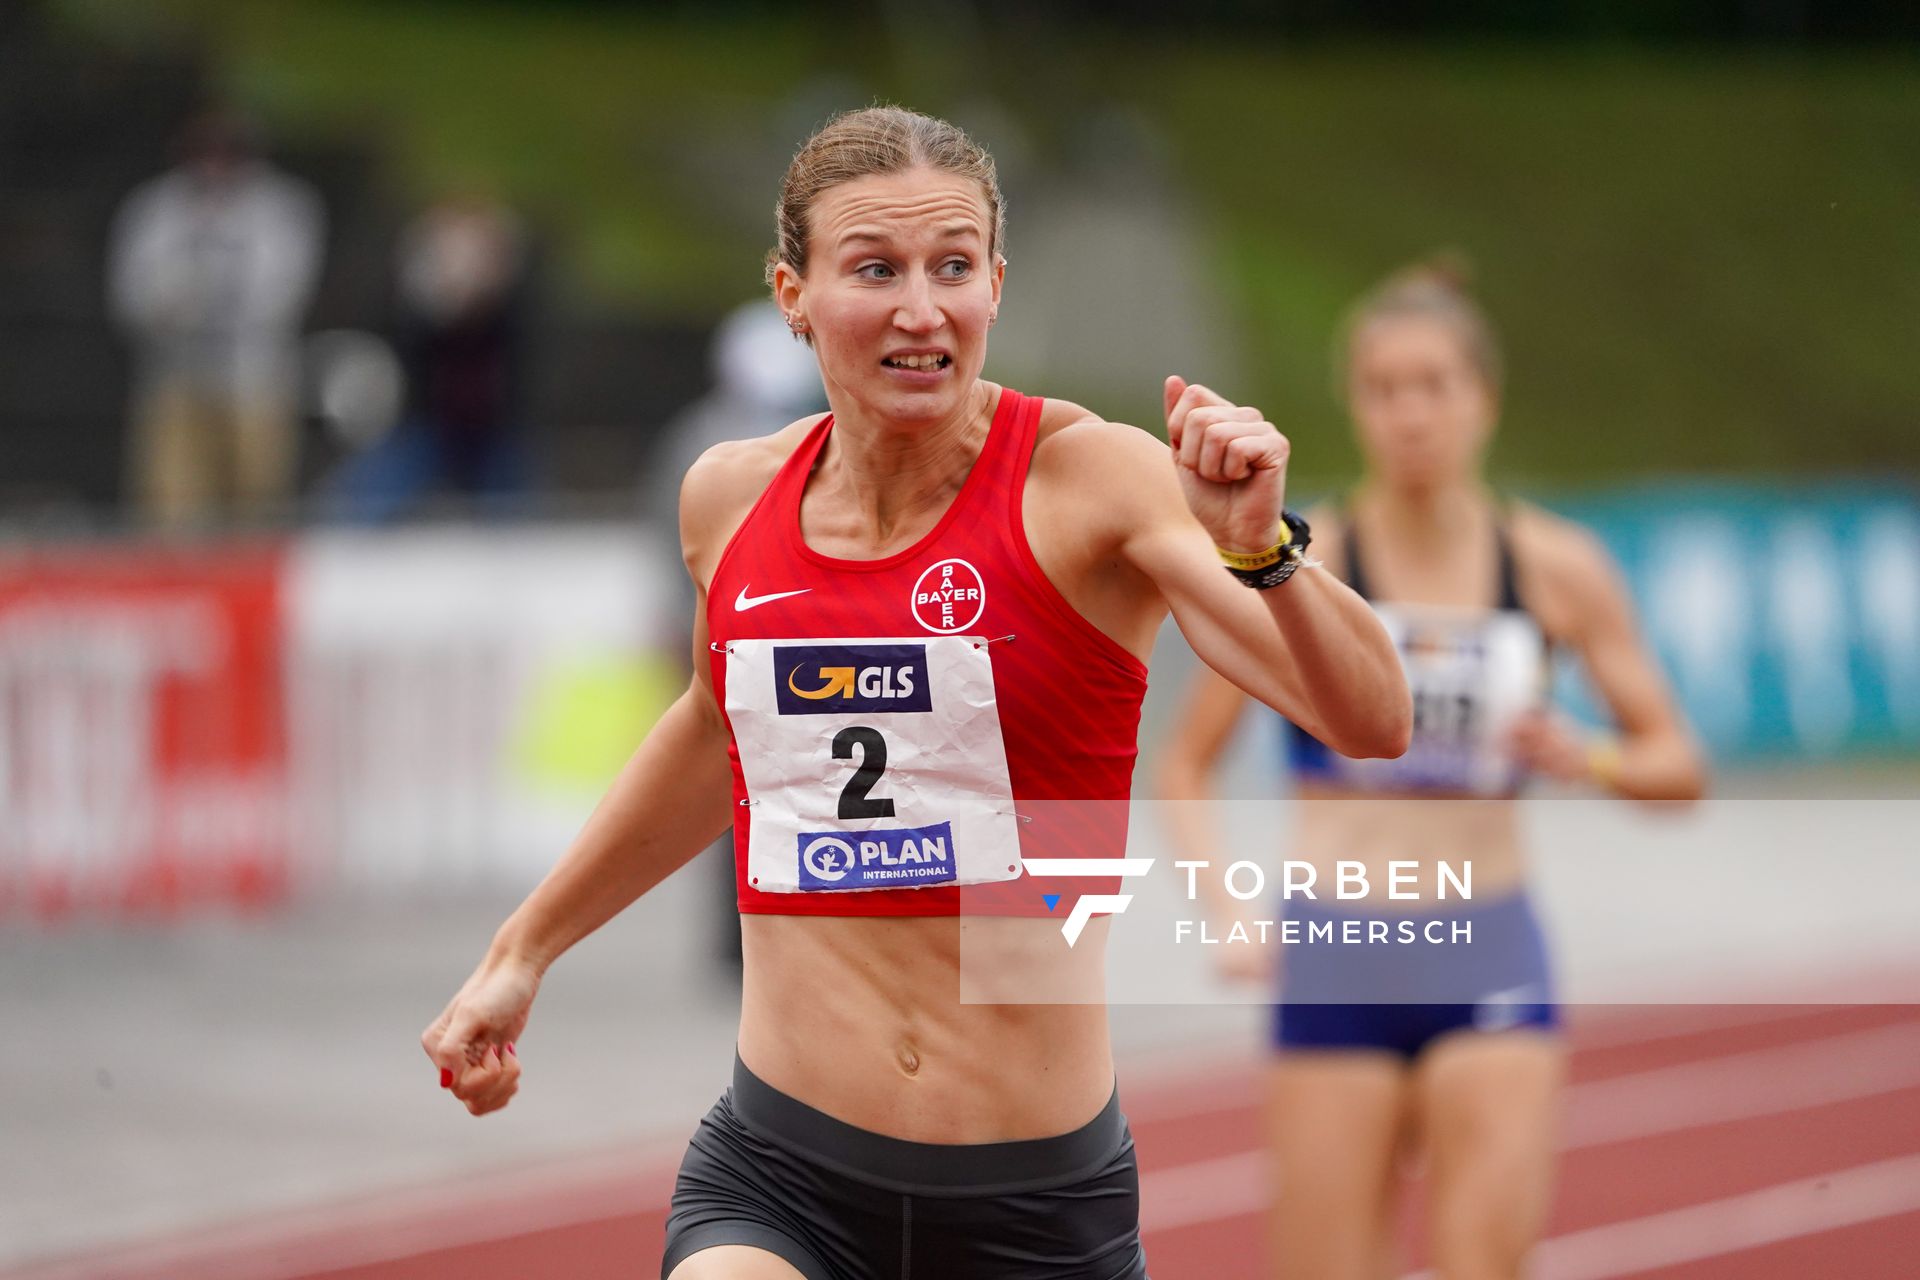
x: 673, y: 797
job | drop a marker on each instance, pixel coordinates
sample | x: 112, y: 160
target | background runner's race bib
x: 871, y: 763
x: 1472, y: 674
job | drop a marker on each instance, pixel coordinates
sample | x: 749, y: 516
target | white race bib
x: 1472, y: 675
x: 871, y: 763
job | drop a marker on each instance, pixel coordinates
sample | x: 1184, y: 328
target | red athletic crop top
x: 899, y: 727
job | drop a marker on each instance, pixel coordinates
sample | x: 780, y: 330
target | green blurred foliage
x: 1701, y: 260
x: 1696, y: 263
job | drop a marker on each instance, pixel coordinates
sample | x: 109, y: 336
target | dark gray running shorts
x: 840, y: 1203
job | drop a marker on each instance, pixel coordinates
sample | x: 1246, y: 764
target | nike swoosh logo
x: 1528, y: 993
x: 744, y: 602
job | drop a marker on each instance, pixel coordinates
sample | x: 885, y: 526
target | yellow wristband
x: 1252, y: 559
x: 1603, y: 761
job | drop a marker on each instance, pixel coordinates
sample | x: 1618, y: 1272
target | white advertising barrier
x: 458, y: 699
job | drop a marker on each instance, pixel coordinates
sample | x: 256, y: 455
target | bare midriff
x: 894, y: 1025
x: 1464, y: 831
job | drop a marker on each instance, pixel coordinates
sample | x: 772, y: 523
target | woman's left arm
x: 1653, y: 755
x: 1309, y: 648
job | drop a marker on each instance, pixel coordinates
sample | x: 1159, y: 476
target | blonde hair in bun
x: 1436, y: 288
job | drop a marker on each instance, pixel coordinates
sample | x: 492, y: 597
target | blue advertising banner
x: 1788, y: 618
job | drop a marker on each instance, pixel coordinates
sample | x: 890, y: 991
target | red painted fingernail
x: 515, y: 1052
x: 446, y: 1078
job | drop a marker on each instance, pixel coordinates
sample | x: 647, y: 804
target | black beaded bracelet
x: 1271, y: 576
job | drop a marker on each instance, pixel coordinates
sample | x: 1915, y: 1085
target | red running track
x: 1765, y: 1143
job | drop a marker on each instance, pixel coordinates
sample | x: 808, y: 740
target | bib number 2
x: 928, y: 800
x: 855, y: 800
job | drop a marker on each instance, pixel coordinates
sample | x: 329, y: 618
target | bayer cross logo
x: 829, y: 858
x: 949, y: 596
x: 1086, y: 904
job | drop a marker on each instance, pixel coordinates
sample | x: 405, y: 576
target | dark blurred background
x: 1698, y: 221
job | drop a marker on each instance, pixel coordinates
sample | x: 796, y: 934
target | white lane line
x: 1743, y: 1086
x: 1589, y: 1029
x: 1803, y: 1207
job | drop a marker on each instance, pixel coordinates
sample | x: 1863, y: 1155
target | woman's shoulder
x: 1075, y: 435
x: 1565, y: 569
x: 1555, y: 547
x: 733, y: 467
x: 1102, y: 478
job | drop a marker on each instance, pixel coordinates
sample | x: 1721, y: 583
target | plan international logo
x: 900, y: 858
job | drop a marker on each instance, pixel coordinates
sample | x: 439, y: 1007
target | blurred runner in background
x: 211, y: 267
x: 1451, y: 1049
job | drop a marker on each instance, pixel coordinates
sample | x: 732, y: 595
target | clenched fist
x: 1232, y: 465
x: 472, y: 1040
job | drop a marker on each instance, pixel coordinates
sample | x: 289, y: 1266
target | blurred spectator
x: 461, y: 273
x: 764, y: 378
x: 211, y: 267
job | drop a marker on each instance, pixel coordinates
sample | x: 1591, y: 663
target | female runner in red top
x: 919, y: 615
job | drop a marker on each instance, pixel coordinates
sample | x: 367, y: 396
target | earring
x: 796, y: 324
x: 991, y: 317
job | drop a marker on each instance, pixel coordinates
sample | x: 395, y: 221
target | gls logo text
x: 831, y: 679
x: 1086, y: 904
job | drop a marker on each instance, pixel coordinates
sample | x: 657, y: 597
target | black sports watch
x: 1274, y: 566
